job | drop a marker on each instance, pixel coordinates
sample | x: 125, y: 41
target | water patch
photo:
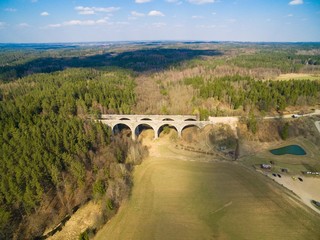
x: 291, y: 149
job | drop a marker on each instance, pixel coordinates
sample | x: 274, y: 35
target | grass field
x: 179, y: 195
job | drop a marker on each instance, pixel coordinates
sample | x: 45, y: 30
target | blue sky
x: 128, y: 20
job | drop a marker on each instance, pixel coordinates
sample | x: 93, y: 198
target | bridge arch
x: 189, y: 126
x: 143, y: 126
x: 119, y: 127
x: 162, y: 127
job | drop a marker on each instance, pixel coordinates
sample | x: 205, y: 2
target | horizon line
x: 155, y: 41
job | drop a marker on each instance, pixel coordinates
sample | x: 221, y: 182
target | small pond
x: 291, y: 149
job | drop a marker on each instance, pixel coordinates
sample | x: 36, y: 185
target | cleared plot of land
x: 301, y: 76
x: 85, y: 217
x: 294, y: 164
x: 178, y: 196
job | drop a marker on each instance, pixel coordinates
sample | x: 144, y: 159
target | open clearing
x: 183, y: 195
x: 85, y: 217
x: 298, y: 76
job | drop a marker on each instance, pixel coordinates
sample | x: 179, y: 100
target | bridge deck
x: 149, y: 117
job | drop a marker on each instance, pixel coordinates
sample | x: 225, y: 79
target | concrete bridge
x: 156, y: 122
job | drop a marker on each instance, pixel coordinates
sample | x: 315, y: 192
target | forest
x: 244, y: 91
x: 56, y: 156
x: 51, y: 147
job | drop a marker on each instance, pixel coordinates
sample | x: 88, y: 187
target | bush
x: 284, y: 131
x: 87, y: 234
x: 98, y: 188
x: 84, y: 236
x: 166, y: 130
x: 252, y: 123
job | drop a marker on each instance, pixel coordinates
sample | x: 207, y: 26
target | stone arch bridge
x: 156, y: 122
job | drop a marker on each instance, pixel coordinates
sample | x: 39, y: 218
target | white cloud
x: 177, y: 2
x: 122, y: 23
x: 10, y: 10
x: 206, y: 26
x: 23, y: 25
x: 178, y: 26
x: 296, y: 2
x: 55, y: 25
x: 2, y: 25
x: 80, y: 23
x: 101, y: 21
x: 86, y: 12
x: 232, y: 20
x: 155, y: 13
x: 199, y: 2
x: 34, y: 1
x: 290, y: 15
x: 197, y: 17
x: 44, y: 14
x: 142, y: 1
x: 92, y: 10
x: 159, y: 25
x: 137, y: 14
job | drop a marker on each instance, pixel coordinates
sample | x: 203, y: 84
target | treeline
x: 243, y: 91
x: 50, y: 147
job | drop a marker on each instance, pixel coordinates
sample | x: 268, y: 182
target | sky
x: 46, y: 21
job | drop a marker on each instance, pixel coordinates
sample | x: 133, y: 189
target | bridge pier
x: 179, y: 130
